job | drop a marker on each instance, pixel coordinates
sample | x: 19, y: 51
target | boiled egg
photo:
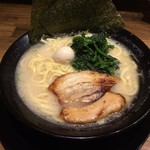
x: 64, y: 54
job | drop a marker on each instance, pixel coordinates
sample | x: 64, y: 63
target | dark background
x: 129, y: 5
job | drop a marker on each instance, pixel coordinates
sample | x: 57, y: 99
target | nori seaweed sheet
x: 39, y: 7
x: 66, y: 16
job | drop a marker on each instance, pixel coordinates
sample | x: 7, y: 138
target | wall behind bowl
x: 127, y: 5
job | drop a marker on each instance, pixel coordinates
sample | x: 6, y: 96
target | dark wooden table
x: 15, y: 21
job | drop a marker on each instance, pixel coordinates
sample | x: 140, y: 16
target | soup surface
x: 37, y: 69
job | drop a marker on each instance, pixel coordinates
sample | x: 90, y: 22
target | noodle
x: 44, y: 69
x: 127, y: 72
x: 47, y: 67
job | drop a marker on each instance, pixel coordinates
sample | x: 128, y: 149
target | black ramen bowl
x: 132, y: 116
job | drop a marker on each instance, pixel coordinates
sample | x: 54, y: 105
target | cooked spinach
x: 91, y: 53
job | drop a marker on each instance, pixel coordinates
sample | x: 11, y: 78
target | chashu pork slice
x: 106, y: 105
x: 78, y: 89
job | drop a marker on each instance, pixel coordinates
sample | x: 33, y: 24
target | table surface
x: 15, y: 21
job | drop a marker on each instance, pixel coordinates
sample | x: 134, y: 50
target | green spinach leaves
x: 91, y: 53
